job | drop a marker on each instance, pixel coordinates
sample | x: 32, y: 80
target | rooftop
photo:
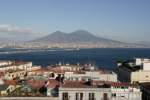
x: 52, y: 83
x: 95, y: 84
x: 83, y: 84
x: 127, y: 65
x: 11, y: 82
x: 36, y: 83
x: 146, y: 85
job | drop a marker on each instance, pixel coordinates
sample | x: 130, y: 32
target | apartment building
x: 79, y: 90
x: 136, y: 70
x: 87, y: 72
x: 14, y: 65
x: 16, y: 69
x: 102, y: 75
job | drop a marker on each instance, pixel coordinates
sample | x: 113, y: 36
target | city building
x: 16, y: 69
x: 145, y: 88
x: 5, y: 63
x: 68, y: 82
x: 125, y: 91
x: 98, y: 90
x: 15, y: 74
x: 87, y: 72
x: 102, y: 75
x: 75, y: 90
x: 14, y: 65
x: 136, y: 70
x: 76, y: 72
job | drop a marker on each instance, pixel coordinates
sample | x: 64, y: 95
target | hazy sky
x: 127, y: 20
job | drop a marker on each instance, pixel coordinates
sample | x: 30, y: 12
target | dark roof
x: 146, y: 85
x: 132, y: 68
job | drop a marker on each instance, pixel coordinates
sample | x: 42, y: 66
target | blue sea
x: 104, y: 57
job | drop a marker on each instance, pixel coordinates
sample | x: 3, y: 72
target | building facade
x: 98, y: 91
x: 136, y: 71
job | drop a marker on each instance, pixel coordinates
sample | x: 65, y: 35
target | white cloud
x: 6, y: 28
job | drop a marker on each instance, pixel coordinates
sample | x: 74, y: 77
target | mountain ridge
x: 76, y: 39
x: 76, y: 36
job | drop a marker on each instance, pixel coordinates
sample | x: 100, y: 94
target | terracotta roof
x: 1, y: 74
x: 95, y: 84
x: 74, y: 84
x: 83, y: 84
x: 11, y: 82
x: 52, y: 83
x: 122, y: 84
x: 113, y: 83
x: 36, y: 83
x: 119, y: 84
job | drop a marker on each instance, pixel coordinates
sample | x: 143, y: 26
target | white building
x: 12, y: 74
x: 16, y: 65
x: 69, y: 67
x: 16, y: 69
x: 5, y: 63
x: 125, y: 91
x: 75, y: 90
x: 78, y: 73
x: 137, y: 71
x: 91, y: 75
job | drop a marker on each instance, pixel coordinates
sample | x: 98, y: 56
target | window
x: 91, y: 96
x: 79, y: 96
x: 65, y: 96
x: 113, y: 94
x: 105, y: 96
x: 52, y: 75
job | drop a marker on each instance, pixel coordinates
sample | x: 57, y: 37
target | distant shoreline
x: 32, y: 50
